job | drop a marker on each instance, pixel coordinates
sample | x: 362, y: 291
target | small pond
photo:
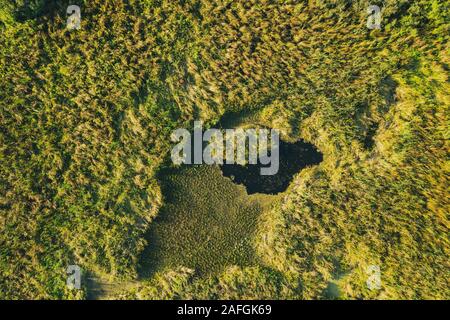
x: 293, y: 158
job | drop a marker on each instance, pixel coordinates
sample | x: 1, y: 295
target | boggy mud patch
x: 293, y: 158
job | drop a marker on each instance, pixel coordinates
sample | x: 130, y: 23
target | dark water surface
x: 293, y: 158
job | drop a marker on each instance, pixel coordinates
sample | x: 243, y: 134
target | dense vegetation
x: 86, y: 116
x: 206, y: 222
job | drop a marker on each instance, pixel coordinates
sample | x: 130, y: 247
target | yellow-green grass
x: 206, y: 223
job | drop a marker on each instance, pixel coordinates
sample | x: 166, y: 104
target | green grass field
x: 86, y: 118
x: 206, y: 223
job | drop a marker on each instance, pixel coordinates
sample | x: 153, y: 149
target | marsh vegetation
x: 206, y: 222
x: 85, y: 124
